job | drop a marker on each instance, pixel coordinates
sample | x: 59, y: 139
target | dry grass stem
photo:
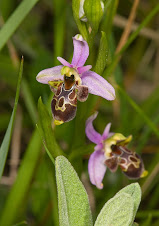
x: 128, y: 26
x: 7, y: 180
x: 121, y: 22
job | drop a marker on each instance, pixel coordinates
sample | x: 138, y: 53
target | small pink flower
x: 110, y: 151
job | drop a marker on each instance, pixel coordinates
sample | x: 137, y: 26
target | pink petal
x: 99, y: 146
x: 81, y: 51
x: 96, y: 168
x: 50, y: 74
x: 64, y: 62
x: 97, y: 85
x: 106, y: 131
x: 92, y: 135
x: 84, y: 69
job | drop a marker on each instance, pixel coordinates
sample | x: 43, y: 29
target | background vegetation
x: 40, y: 31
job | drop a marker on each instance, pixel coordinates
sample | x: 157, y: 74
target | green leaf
x: 94, y: 12
x: 46, y: 149
x: 118, y: 211
x: 73, y: 201
x: 48, y: 134
x: 135, y: 191
x: 6, y: 141
x: 15, y: 20
x: 103, y: 55
x: 80, y: 24
x: 16, y: 199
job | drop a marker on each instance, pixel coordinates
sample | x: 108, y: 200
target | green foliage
x: 134, y: 191
x: 121, y: 209
x: 94, y: 12
x: 73, y: 201
x: 6, y: 141
x: 103, y: 55
x: 48, y: 134
x: 16, y: 199
x: 81, y: 25
x: 41, y: 32
x: 117, y: 211
x: 14, y: 21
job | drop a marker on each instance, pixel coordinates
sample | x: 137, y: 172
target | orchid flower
x: 110, y: 151
x: 72, y: 82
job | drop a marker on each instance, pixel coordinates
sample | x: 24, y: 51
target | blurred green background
x: 45, y: 33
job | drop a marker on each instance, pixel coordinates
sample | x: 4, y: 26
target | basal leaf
x: 135, y: 191
x: 74, y: 209
x: 118, y: 211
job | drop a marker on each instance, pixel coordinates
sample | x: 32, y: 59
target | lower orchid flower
x: 72, y: 82
x: 110, y: 151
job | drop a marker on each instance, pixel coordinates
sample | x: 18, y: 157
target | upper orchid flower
x: 110, y: 151
x: 73, y: 81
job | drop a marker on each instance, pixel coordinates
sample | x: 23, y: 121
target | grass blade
x: 15, y: 200
x: 15, y: 20
x: 7, y: 138
x: 140, y: 112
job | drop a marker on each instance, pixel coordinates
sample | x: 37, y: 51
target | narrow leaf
x: 16, y: 198
x: 15, y: 20
x: 139, y: 110
x: 73, y: 201
x: 48, y: 134
x: 103, y: 55
x: 6, y: 141
x: 118, y: 211
x: 46, y: 149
